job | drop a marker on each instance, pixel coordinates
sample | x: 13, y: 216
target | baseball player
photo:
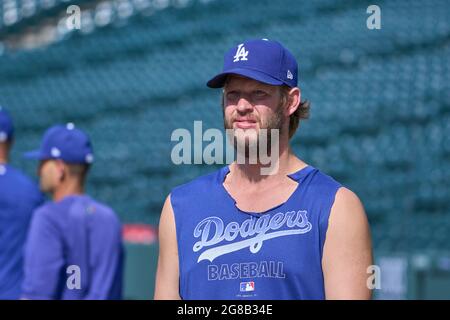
x: 19, y: 196
x: 237, y: 233
x: 74, y: 247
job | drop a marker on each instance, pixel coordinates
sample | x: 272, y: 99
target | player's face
x: 50, y: 175
x: 251, y: 105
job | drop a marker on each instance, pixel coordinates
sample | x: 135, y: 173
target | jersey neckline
x: 296, y: 176
x: 72, y: 196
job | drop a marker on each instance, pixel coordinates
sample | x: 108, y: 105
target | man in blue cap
x: 242, y: 232
x: 74, y: 247
x: 19, y: 196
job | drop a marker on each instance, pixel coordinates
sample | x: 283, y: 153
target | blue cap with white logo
x: 6, y: 126
x: 65, y: 143
x: 263, y: 60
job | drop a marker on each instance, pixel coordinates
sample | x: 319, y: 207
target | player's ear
x: 62, y: 169
x: 293, y: 100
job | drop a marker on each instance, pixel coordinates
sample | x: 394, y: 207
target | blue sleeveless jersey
x: 227, y: 253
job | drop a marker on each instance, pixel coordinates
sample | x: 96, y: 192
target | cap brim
x: 219, y: 80
x: 35, y: 155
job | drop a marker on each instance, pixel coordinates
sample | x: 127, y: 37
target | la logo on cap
x: 241, y: 53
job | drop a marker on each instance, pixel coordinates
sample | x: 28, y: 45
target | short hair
x: 7, y: 144
x: 301, y: 113
x: 78, y: 170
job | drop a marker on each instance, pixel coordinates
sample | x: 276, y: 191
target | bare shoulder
x: 167, y: 275
x: 167, y: 207
x: 348, y: 220
x: 347, y: 250
x: 345, y: 196
x: 347, y: 205
x: 167, y: 220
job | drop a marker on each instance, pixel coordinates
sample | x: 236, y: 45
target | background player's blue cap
x: 66, y: 143
x: 6, y: 126
x: 262, y: 60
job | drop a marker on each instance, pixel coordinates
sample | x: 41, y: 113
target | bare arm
x: 347, y: 250
x: 167, y: 275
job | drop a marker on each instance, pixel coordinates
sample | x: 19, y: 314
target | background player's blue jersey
x: 226, y: 253
x: 19, y: 196
x: 76, y: 231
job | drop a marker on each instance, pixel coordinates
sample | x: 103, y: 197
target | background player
x: 19, y: 196
x: 73, y: 229
x: 295, y: 234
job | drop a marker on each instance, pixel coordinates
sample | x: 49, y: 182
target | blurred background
x: 136, y: 70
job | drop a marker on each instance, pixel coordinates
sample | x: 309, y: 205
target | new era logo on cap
x: 3, y: 136
x: 89, y: 158
x: 262, y: 60
x: 289, y: 75
x: 55, y: 152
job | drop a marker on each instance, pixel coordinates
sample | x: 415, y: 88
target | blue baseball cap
x: 6, y: 126
x: 263, y: 60
x: 65, y: 143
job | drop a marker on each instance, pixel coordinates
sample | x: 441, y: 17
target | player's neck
x: 69, y: 188
x: 251, y: 173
